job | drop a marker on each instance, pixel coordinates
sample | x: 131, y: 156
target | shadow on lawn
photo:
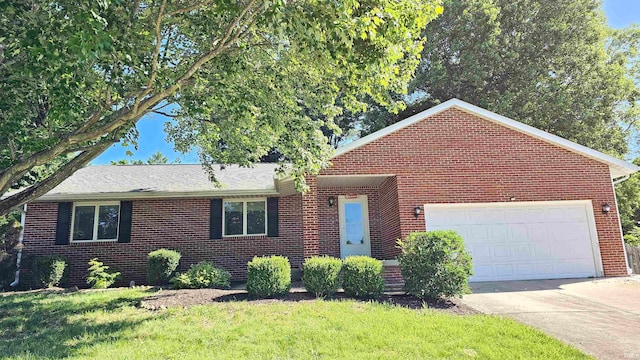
x: 402, y: 300
x: 44, y: 324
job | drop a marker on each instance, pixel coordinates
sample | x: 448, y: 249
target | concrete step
x: 393, y: 286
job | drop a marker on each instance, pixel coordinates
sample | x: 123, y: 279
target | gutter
x: 157, y: 195
x: 23, y: 216
x: 620, y: 179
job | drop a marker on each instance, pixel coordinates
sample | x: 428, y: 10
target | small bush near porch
x: 434, y: 264
x: 111, y: 325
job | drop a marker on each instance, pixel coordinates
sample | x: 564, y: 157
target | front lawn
x: 110, y: 324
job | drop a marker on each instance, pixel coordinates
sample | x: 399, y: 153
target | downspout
x: 615, y: 197
x: 620, y: 179
x: 23, y: 217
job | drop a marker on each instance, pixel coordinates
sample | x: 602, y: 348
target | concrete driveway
x: 599, y: 316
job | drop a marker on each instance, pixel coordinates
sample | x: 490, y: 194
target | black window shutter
x: 124, y: 232
x: 215, y: 219
x: 63, y: 226
x: 272, y: 217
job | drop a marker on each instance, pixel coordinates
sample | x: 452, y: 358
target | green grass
x: 108, y: 325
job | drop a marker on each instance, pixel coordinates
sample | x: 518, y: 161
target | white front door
x: 354, y: 226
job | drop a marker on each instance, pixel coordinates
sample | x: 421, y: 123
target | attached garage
x: 524, y: 240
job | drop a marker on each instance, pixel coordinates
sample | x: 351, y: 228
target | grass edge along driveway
x: 110, y: 325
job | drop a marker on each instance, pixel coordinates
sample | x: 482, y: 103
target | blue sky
x: 620, y: 13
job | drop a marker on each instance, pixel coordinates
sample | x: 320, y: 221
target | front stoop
x: 393, y: 281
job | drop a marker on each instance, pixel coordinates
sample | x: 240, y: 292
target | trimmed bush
x: 321, y: 275
x: 49, y: 271
x: 161, y: 266
x: 362, y: 277
x: 98, y: 277
x: 202, y: 275
x: 434, y: 264
x: 268, y: 276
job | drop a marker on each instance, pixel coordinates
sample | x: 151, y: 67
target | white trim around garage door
x: 593, y: 233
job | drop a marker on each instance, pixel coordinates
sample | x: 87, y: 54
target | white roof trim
x: 617, y: 167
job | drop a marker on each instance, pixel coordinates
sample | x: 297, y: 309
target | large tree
x: 553, y: 64
x: 240, y: 77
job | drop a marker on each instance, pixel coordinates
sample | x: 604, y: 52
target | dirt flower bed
x: 190, y: 297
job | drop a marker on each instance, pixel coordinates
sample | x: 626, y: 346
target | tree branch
x: 126, y: 114
x: 188, y: 8
x: 156, y: 53
x: 164, y: 113
x: 12, y: 149
x: 53, y: 180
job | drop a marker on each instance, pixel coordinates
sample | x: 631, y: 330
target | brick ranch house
x: 530, y: 205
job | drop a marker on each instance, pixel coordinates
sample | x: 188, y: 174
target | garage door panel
x: 522, y: 250
x: 521, y: 241
x: 479, y: 232
x: 525, y: 270
x: 535, y: 215
x: 480, y: 251
x: 501, y: 251
x: 499, y: 233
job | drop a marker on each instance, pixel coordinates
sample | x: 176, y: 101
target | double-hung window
x: 245, y: 217
x: 95, y: 221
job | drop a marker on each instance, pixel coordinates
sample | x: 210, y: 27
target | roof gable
x: 617, y: 167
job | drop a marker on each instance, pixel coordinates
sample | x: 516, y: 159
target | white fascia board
x: 618, y: 167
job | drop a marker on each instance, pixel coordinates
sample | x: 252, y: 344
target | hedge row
x: 433, y: 264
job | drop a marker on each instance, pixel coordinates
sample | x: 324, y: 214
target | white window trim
x: 96, y: 205
x: 244, y: 202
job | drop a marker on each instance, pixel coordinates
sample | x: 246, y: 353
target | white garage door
x: 520, y: 241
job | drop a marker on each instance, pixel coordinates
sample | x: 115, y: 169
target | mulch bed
x: 190, y: 297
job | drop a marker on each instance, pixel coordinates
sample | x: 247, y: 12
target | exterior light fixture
x: 606, y: 208
x: 417, y: 211
x: 332, y: 200
x: 512, y: 198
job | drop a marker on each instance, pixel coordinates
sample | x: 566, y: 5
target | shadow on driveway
x: 523, y: 285
x: 599, y: 316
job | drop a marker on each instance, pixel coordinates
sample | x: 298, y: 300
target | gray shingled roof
x: 158, y: 180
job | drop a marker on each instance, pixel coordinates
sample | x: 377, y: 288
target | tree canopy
x: 76, y: 76
x: 154, y: 159
x: 552, y: 64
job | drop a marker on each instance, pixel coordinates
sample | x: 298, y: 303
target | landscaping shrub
x: 268, y: 276
x: 49, y: 271
x: 321, y: 275
x: 7, y: 270
x: 633, y: 237
x: 202, y: 275
x: 98, y: 277
x: 161, y: 266
x: 9, y: 235
x: 362, y: 277
x: 434, y: 264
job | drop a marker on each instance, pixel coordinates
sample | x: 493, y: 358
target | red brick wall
x: 329, y: 234
x: 310, y: 244
x: 179, y: 224
x: 389, y: 217
x: 456, y: 157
